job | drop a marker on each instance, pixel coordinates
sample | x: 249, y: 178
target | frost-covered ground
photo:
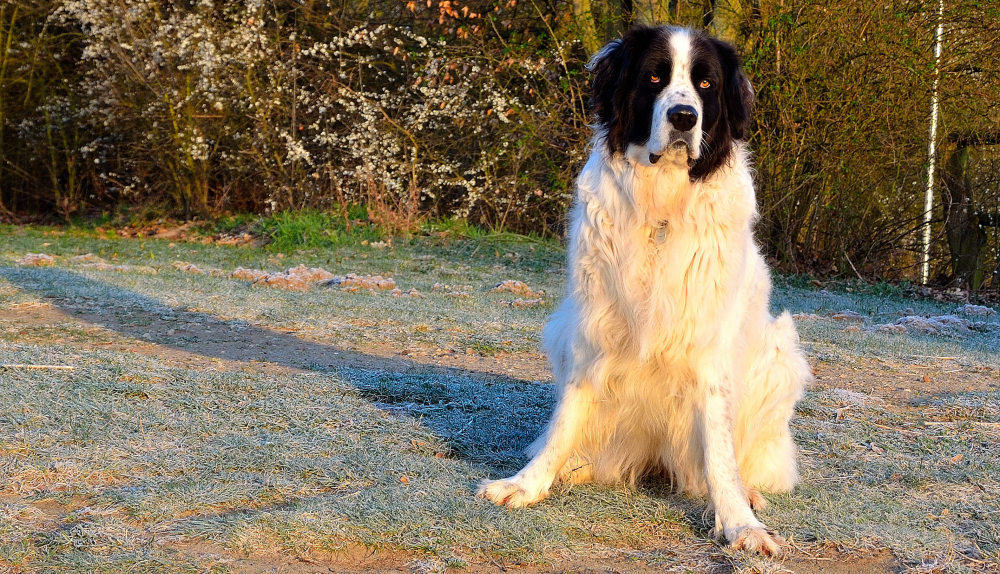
x: 237, y: 424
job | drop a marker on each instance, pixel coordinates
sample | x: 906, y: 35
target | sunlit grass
x: 139, y: 455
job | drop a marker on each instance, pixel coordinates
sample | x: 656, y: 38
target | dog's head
x: 669, y: 94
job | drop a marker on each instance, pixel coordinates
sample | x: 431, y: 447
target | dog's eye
x: 655, y: 79
x: 705, y: 84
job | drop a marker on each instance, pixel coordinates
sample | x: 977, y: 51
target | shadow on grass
x: 485, y: 418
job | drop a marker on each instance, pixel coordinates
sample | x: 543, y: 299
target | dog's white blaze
x: 680, y: 46
x: 680, y: 91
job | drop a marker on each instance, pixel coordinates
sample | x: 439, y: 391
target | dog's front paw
x: 509, y: 492
x: 756, y: 539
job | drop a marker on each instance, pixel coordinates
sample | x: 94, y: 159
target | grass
x: 156, y: 441
x: 288, y: 231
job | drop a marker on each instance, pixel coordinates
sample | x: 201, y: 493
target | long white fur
x: 664, y: 351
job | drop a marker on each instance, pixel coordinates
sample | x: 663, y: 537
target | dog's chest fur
x: 660, y: 254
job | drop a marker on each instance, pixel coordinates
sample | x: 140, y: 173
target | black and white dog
x: 664, y: 351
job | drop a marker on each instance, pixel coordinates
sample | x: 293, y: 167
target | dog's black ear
x: 609, y: 67
x: 737, y: 92
x: 610, y: 91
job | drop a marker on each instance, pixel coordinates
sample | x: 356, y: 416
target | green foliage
x: 232, y: 222
x: 309, y: 229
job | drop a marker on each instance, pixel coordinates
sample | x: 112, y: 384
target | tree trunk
x: 966, y: 236
x: 724, y: 20
x: 654, y: 12
x: 583, y: 15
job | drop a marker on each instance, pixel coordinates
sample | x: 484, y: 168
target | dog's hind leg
x: 579, y: 469
x: 776, y: 378
x: 562, y: 436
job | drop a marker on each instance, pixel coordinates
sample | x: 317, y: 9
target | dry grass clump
x: 36, y: 260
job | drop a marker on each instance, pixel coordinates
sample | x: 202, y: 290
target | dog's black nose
x: 682, y: 117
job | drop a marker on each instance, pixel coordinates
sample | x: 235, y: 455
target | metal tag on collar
x: 660, y: 232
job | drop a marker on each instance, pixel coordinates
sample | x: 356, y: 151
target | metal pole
x: 932, y: 147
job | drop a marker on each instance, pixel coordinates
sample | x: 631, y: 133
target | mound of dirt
x: 36, y: 260
x: 309, y: 274
x: 252, y: 275
x: 938, y: 325
x: 520, y: 302
x: 299, y: 278
x: 806, y: 317
x: 91, y: 261
x: 518, y: 288
x: 848, y: 316
x: 284, y: 281
x: 188, y: 268
x: 411, y: 293
x: 976, y: 310
x: 185, y: 267
x: 353, y: 282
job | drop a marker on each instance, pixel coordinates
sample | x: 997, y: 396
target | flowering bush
x: 262, y: 107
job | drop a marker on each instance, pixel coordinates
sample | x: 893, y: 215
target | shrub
x: 440, y: 109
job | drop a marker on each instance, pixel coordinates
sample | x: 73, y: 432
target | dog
x: 664, y: 352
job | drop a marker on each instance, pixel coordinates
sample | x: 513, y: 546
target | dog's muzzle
x: 678, y: 143
x: 681, y: 134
